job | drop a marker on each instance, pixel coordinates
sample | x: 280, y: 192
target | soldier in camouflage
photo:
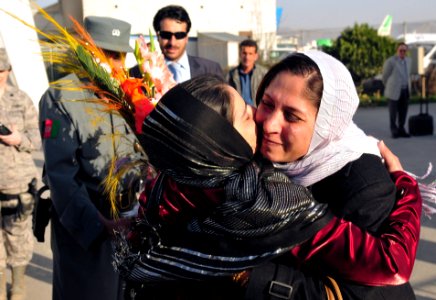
x: 17, y: 170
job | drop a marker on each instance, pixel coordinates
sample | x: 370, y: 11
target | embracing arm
x: 363, y: 258
x: 367, y: 259
x: 347, y: 252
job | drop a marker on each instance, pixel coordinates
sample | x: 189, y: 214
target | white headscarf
x: 336, y: 140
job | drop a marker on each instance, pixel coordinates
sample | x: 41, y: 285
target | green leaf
x: 97, y: 73
x: 152, y: 46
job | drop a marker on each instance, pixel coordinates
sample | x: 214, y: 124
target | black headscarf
x: 192, y: 143
x: 263, y: 214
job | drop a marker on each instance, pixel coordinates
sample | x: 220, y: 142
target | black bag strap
x: 270, y: 282
x: 276, y: 281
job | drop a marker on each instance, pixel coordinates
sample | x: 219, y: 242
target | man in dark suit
x: 172, y: 25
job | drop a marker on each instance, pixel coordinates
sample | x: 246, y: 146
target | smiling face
x: 172, y: 48
x: 243, y: 118
x: 287, y: 118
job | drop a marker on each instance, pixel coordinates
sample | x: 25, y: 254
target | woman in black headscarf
x: 188, y: 138
x: 235, y: 212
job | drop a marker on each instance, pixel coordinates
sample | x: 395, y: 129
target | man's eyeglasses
x: 166, y: 35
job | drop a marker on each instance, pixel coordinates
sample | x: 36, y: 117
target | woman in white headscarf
x: 306, y: 105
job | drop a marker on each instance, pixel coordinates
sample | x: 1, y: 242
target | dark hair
x: 212, y: 91
x: 300, y: 65
x: 174, y: 12
x: 402, y: 44
x: 248, y: 43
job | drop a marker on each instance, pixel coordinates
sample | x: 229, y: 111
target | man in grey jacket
x: 246, y: 77
x: 396, y: 78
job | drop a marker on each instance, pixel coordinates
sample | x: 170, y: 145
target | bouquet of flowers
x: 133, y: 98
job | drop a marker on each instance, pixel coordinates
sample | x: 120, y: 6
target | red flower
x: 142, y: 109
x: 133, y: 89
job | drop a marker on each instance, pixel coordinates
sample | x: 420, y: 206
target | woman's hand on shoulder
x: 392, y: 162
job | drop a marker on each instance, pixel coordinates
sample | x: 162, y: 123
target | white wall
x: 233, y: 54
x: 22, y: 46
x: 232, y: 16
x: 212, y: 49
x: 257, y: 17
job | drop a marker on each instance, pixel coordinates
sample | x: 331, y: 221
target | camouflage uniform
x: 17, y: 169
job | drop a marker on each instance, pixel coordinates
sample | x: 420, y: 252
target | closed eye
x: 267, y: 104
x: 291, y: 116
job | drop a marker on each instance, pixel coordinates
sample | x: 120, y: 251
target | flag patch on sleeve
x: 51, y: 129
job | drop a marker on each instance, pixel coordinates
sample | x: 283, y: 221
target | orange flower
x: 133, y: 89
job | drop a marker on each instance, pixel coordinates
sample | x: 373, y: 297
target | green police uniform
x: 79, y: 141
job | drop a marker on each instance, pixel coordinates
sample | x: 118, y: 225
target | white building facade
x: 249, y: 18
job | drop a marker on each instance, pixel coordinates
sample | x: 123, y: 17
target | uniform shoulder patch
x: 50, y: 128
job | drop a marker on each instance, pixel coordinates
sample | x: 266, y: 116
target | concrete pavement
x: 415, y: 154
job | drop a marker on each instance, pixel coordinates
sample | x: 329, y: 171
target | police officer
x: 20, y: 136
x: 79, y: 140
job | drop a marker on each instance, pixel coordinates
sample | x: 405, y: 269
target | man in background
x: 19, y: 137
x: 80, y: 139
x: 396, y: 78
x: 246, y: 77
x: 172, y: 25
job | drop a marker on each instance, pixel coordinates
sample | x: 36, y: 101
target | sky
x: 322, y: 14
